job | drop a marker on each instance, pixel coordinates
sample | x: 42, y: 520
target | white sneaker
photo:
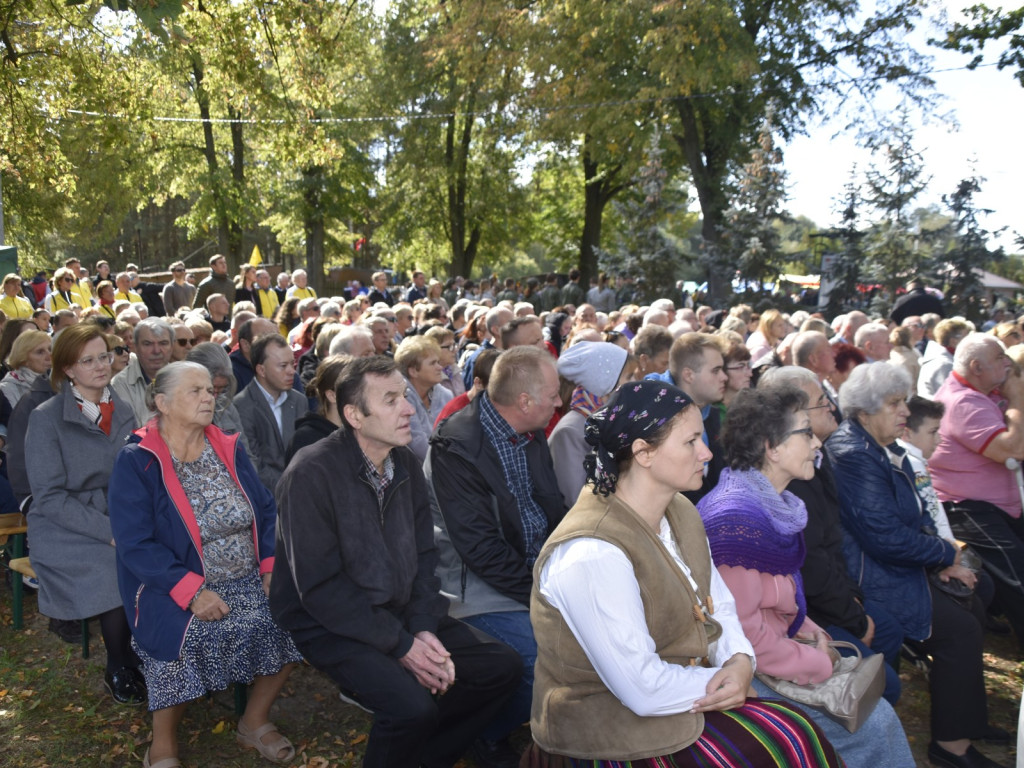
x: 30, y: 582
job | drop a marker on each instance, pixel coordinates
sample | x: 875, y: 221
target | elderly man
x: 353, y: 340
x: 216, y: 282
x: 846, y: 326
x: 380, y: 328
x: 495, y: 319
x: 153, y: 341
x: 873, y: 340
x: 284, y: 282
x: 522, y: 332
x: 184, y: 340
x: 218, y: 312
x: 300, y: 286
x: 354, y: 583
x: 265, y: 296
x: 812, y: 351
x: 497, y: 500
x: 268, y: 406
x: 981, y: 434
x: 124, y: 290
x: 651, y: 346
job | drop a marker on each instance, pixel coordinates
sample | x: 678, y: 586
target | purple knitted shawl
x: 750, y: 525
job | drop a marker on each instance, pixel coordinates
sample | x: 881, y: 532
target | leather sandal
x: 251, y: 740
x: 167, y: 762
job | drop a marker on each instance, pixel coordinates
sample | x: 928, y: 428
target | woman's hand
x: 965, y: 575
x: 728, y: 688
x: 209, y: 607
x: 266, y: 583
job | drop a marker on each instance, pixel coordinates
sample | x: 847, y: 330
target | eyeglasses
x: 184, y: 342
x: 177, y: 269
x: 390, y: 318
x: 121, y: 350
x: 806, y: 432
x: 739, y: 366
x: 90, y: 363
x: 67, y: 279
x: 816, y: 407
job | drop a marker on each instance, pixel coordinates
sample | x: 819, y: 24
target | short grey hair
x: 167, y: 379
x: 215, y: 360
x: 322, y: 345
x: 971, y: 348
x: 870, y: 385
x: 156, y: 326
x: 787, y: 375
x: 341, y: 344
x: 330, y: 309
x: 867, y: 330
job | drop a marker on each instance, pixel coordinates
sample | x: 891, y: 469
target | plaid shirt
x: 380, y: 480
x: 511, y: 448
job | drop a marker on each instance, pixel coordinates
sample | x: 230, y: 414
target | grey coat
x: 267, y: 443
x: 68, y: 524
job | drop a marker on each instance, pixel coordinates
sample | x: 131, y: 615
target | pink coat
x: 766, y: 606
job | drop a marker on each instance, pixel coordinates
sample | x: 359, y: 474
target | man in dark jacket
x: 497, y: 501
x: 354, y: 583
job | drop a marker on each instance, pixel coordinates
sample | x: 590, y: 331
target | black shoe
x: 996, y: 626
x: 126, y: 685
x: 972, y: 758
x: 994, y: 735
x: 494, y: 754
x: 69, y: 631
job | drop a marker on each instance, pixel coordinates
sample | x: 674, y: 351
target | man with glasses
x: 154, y: 338
x: 217, y: 282
x: 184, y: 340
x: 811, y: 350
x: 177, y: 293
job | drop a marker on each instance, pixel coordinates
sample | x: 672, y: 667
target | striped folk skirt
x: 761, y: 734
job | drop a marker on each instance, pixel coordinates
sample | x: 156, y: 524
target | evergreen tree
x: 843, y: 273
x: 969, y: 251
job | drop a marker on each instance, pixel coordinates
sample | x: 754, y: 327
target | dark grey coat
x: 268, y: 444
x: 69, y: 466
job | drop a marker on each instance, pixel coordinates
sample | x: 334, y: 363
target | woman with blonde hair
x: 771, y: 329
x: 63, y: 295
x: 13, y: 303
x: 419, y: 361
x: 29, y: 359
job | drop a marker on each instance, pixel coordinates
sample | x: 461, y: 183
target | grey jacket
x: 68, y: 523
x: 267, y: 443
x: 568, y: 447
x: 130, y: 385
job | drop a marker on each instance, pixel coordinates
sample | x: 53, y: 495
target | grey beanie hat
x: 593, y: 365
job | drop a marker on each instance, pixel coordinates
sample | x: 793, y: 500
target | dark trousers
x: 959, y: 707
x: 999, y: 541
x: 411, y: 727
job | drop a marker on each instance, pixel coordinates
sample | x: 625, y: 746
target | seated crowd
x: 473, y: 509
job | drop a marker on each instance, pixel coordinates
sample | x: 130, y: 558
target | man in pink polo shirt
x: 983, y: 426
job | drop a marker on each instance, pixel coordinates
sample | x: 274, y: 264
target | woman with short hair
x: 195, y: 550
x: 755, y: 527
x: 419, y: 361
x: 29, y: 359
x: 889, y: 544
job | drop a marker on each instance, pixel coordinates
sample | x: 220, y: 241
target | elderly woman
x: 419, y: 360
x: 847, y: 358
x: 76, y: 436
x: 29, y: 359
x: 445, y: 339
x: 105, y: 293
x: 595, y: 369
x: 318, y: 424
x: 902, y: 351
x: 889, y: 543
x: 63, y: 295
x: 756, y: 530
x: 121, y: 353
x: 216, y: 361
x: 195, y: 549
x: 640, y: 656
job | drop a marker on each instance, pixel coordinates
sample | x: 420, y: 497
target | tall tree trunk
x: 238, y: 182
x: 456, y: 155
x: 313, y: 225
x: 210, y: 153
x: 598, y: 189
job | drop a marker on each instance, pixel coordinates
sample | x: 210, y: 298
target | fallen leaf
x: 359, y: 739
x: 219, y: 727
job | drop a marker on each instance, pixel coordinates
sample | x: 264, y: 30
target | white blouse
x: 592, y: 584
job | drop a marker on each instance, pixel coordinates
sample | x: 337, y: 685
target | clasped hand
x: 430, y: 663
x: 209, y: 607
x: 729, y: 687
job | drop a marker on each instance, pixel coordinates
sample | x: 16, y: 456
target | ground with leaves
x: 54, y: 710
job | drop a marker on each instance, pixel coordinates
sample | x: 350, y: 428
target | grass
x: 55, y: 712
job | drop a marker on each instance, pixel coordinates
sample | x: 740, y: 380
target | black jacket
x: 347, y: 565
x: 831, y: 594
x: 478, y: 515
x: 713, y: 429
x: 308, y: 429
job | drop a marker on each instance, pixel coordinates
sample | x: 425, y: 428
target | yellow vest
x: 132, y: 296
x: 301, y: 293
x: 15, y: 307
x: 268, y: 302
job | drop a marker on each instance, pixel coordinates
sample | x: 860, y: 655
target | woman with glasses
x: 120, y: 351
x: 889, y: 544
x: 736, y: 357
x: 63, y: 295
x: 755, y: 528
x: 445, y: 339
x: 76, y: 436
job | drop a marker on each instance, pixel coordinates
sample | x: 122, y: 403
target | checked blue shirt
x: 511, y: 448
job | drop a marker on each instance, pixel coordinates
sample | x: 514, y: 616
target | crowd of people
x: 473, y: 508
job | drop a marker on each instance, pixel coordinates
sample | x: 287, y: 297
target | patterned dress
x: 246, y: 642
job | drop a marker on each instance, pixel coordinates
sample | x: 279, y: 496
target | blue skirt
x: 243, y: 645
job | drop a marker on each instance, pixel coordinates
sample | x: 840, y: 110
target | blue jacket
x: 883, y: 518
x: 159, y: 546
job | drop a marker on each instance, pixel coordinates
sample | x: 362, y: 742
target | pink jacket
x: 766, y: 606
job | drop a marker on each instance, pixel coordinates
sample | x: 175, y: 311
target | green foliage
x: 969, y: 251
x: 988, y: 25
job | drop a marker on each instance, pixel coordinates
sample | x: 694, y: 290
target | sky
x: 987, y: 106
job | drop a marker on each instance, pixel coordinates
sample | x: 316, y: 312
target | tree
x: 987, y: 25
x: 750, y: 241
x: 644, y: 249
x: 969, y: 252
x: 845, y: 255
x: 895, y: 249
